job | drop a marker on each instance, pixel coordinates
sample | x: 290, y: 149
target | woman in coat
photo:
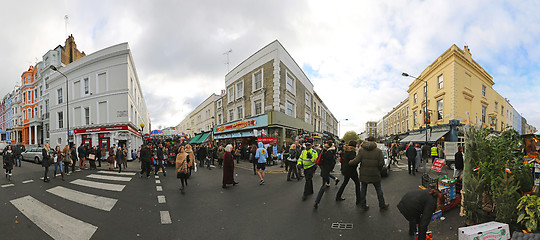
x: 120, y: 158
x: 292, y: 159
x: 220, y: 152
x: 67, y: 158
x: 182, y: 168
x: 190, y: 158
x: 228, y: 167
x: 59, y: 158
x: 9, y: 160
x: 327, y: 158
x: 349, y: 171
x: 46, y: 160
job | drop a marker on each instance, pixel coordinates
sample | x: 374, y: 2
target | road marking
x: 28, y: 181
x: 103, y: 203
x: 8, y: 185
x: 158, y: 181
x: 159, y: 188
x: 161, y: 199
x: 112, y: 178
x: 165, y: 217
x: 53, y: 222
x: 156, y: 176
x: 78, y: 170
x: 117, y: 173
x: 98, y: 185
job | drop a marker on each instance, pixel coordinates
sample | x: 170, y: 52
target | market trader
x: 417, y: 206
x: 307, y: 161
x: 434, y: 153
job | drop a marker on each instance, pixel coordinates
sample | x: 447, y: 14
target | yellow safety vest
x: 434, y: 152
x: 305, y: 161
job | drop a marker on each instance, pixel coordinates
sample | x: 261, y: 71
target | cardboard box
x: 485, y: 231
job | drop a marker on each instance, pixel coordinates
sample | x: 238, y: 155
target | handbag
x: 318, y: 161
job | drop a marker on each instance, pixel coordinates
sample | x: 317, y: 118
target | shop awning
x: 195, y: 139
x: 422, y: 137
x: 203, y: 137
x: 410, y: 138
x: 436, y: 135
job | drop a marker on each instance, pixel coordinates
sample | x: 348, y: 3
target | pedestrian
x: 190, y: 159
x: 124, y: 155
x: 394, y: 151
x: 253, y: 150
x: 349, y: 171
x: 228, y: 167
x: 458, y: 165
x: 112, y: 157
x: 182, y: 168
x: 417, y: 206
x: 220, y: 153
x: 46, y: 160
x: 17, y: 155
x: 146, y: 159
x: 237, y: 154
x: 159, y: 161
x: 9, y: 161
x: 261, y: 155
x: 371, y: 162
x: 82, y: 155
x: 425, y: 152
x: 292, y: 160
x: 327, y: 163
x: 73, y: 156
x: 434, y: 153
x: 98, y: 155
x: 307, y: 162
x: 411, y: 158
x: 58, y: 160
x: 67, y: 158
x: 418, y: 158
x: 120, y: 158
x: 92, y: 157
x: 332, y: 158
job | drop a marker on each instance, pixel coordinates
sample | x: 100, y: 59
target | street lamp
x: 425, y: 97
x: 339, y: 125
x: 67, y: 101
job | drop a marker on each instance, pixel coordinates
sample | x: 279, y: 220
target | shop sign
x: 237, y: 125
x: 105, y: 129
x: 437, y: 165
x: 256, y: 122
x: 267, y: 140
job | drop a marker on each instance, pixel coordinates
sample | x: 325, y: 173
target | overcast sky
x: 353, y: 51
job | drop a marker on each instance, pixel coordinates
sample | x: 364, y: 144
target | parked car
x: 33, y: 155
x: 386, y: 167
x: 3, y: 146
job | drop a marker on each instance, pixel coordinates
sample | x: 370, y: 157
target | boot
x: 62, y: 176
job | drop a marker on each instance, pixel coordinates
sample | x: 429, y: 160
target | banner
x: 438, y: 165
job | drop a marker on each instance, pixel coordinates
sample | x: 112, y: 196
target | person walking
x: 220, y: 154
x: 9, y: 161
x: 394, y: 153
x: 327, y: 163
x: 307, y: 162
x: 120, y: 158
x: 58, y: 160
x: 182, y: 168
x: 417, y: 206
x: 411, y: 158
x: 92, y: 157
x: 261, y: 155
x: 349, y: 172
x: 17, y: 155
x: 426, y: 150
x: 332, y: 157
x: 67, y: 158
x: 146, y: 160
x: 124, y: 155
x: 159, y: 161
x: 291, y: 161
x: 46, y: 160
x: 418, y: 158
x: 73, y: 157
x: 190, y: 158
x: 228, y: 167
x: 434, y: 153
x: 458, y: 165
x: 112, y: 158
x: 253, y: 150
x: 371, y: 159
x: 82, y: 155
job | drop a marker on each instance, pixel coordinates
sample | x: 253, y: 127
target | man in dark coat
x: 458, y: 168
x: 372, y: 162
x: 159, y: 162
x: 411, y: 158
x: 417, y: 206
x: 146, y: 160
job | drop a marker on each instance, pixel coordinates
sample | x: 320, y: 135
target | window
x: 40, y: 91
x: 308, y: 117
x: 87, y: 116
x: 502, y: 110
x: 219, y: 118
x: 308, y: 99
x: 483, y: 114
x: 231, y: 114
x: 59, y: 94
x: 415, y: 119
x: 35, y: 95
x: 35, y: 114
x: 440, y: 78
x: 290, y: 108
x: 86, y: 86
x: 257, y: 80
x: 258, y: 106
x: 239, y: 89
x: 440, y: 109
x: 415, y: 98
x: 219, y: 104
x: 24, y: 96
x: 230, y: 94
x: 60, y: 119
x: 483, y: 91
x: 240, y: 111
x: 24, y: 114
x: 290, y: 84
x: 496, y: 106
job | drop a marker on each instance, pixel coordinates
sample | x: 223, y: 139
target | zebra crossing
x: 54, y: 222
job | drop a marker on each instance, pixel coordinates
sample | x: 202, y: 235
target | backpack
x: 318, y: 161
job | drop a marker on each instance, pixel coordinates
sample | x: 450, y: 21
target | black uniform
x: 417, y: 207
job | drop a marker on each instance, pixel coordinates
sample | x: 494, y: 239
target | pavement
x: 130, y: 207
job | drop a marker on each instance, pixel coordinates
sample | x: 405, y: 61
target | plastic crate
x: 426, y: 181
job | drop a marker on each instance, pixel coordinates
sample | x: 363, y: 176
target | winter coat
x: 418, y: 204
x: 228, y: 168
x: 9, y: 157
x: 459, y: 160
x: 328, y: 162
x: 349, y: 152
x: 146, y: 155
x: 45, y: 158
x: 181, y: 165
x: 189, y: 151
x: 82, y: 152
x: 411, y: 153
x: 220, y: 153
x: 294, y: 154
x: 371, y: 162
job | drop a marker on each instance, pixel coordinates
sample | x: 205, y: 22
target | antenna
x: 66, y: 18
x: 227, y: 53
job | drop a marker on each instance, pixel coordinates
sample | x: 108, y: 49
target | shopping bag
x: 195, y: 164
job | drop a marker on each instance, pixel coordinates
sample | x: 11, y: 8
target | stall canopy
x: 203, y: 137
x: 194, y: 139
x: 421, y: 137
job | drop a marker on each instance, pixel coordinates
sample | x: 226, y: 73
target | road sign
x: 437, y: 165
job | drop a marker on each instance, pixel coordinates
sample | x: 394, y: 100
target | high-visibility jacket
x: 305, y: 161
x: 434, y: 151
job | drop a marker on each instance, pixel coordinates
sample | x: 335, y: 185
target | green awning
x: 203, y: 137
x: 194, y: 139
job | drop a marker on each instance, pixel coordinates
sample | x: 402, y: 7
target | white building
x: 202, y: 118
x: 106, y: 104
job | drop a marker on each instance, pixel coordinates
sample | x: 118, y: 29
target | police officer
x: 434, y: 153
x: 307, y: 161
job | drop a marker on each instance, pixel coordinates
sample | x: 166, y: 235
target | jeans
x: 20, y: 159
x: 356, y: 187
x: 378, y: 189
x: 159, y: 164
x: 56, y: 166
x: 325, y: 180
x: 308, y: 187
x: 433, y: 159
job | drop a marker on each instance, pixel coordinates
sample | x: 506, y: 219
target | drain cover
x: 346, y: 226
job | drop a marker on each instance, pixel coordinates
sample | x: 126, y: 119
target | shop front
x: 244, y: 132
x: 105, y: 137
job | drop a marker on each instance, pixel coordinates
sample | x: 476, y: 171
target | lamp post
x: 339, y: 126
x: 67, y: 101
x: 425, y: 97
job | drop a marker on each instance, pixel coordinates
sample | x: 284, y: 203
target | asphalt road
x: 206, y: 211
